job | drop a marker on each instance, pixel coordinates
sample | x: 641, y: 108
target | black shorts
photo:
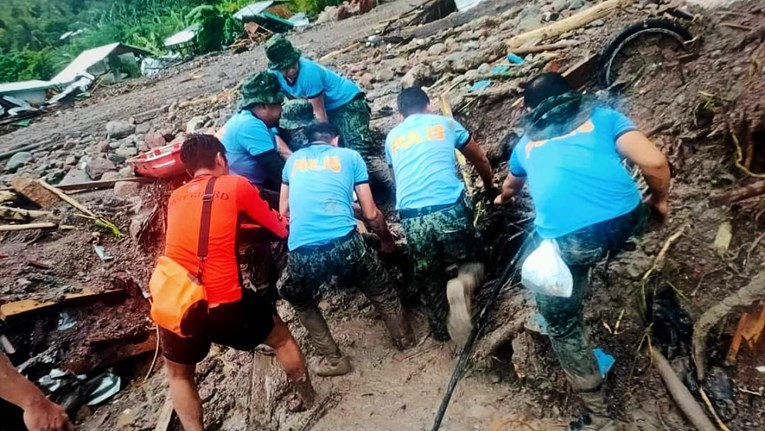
x: 241, y: 325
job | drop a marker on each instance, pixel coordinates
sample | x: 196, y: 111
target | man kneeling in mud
x: 585, y: 200
x: 239, y: 318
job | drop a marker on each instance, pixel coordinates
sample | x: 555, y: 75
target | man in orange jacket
x: 238, y: 318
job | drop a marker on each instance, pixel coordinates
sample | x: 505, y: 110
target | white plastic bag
x: 545, y: 272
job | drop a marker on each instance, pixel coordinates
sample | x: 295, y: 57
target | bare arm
x: 637, y: 148
x: 477, y: 157
x: 282, y: 148
x: 39, y: 412
x: 284, y: 201
x: 319, y: 110
x: 373, y: 215
x: 510, y: 187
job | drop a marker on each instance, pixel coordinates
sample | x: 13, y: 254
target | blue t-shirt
x: 321, y: 180
x: 244, y: 137
x: 421, y: 152
x: 578, y: 179
x: 314, y: 80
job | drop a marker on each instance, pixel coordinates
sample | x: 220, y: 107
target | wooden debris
x: 582, y: 72
x: 18, y: 308
x: 29, y: 147
x: 35, y: 192
x: 165, y: 415
x: 565, y: 25
x: 544, y: 48
x: 7, y: 196
x: 18, y: 214
x: 110, y: 355
x: 723, y: 238
x: 29, y: 226
x: 754, y: 291
x: 102, y: 184
x: 100, y: 221
x: 733, y: 196
x: 335, y: 53
x: 682, y: 396
x: 711, y: 408
x: 736, y: 26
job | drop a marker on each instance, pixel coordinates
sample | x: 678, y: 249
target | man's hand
x: 491, y: 192
x: 659, y: 206
x: 44, y: 415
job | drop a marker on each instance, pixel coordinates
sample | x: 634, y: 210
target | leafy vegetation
x: 32, y: 32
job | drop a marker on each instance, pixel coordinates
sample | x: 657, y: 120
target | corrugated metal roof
x: 35, y: 84
x: 184, y: 36
x: 88, y: 58
x: 251, y: 10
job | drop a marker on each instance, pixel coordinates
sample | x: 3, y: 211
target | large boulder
x: 196, y: 124
x: 119, y: 129
x: 17, y: 161
x: 155, y: 139
x: 126, y: 189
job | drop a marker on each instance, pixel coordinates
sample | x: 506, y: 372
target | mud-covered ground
x: 697, y: 97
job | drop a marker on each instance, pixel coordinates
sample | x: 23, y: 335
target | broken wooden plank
x: 565, y: 25
x: 35, y: 192
x: 28, y: 226
x: 19, y: 214
x: 544, y: 48
x: 102, y: 184
x: 64, y: 197
x: 582, y: 72
x: 165, y: 415
x: 19, y: 308
x: 739, y: 194
x: 752, y: 332
x: 110, y: 355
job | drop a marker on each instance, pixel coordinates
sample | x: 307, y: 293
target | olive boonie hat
x: 281, y: 53
x: 296, y: 114
x: 261, y: 88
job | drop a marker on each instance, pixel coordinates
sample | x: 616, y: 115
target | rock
x: 452, y: 45
x: 126, y: 189
x: 155, y: 139
x: 598, y: 23
x: 126, y: 172
x: 559, y: 5
x: 103, y: 147
x: 17, y: 161
x: 384, y: 75
x: 110, y: 176
x: 415, y: 77
x: 366, y: 79
x: 117, y: 159
x: 484, y: 69
x: 55, y: 176
x: 96, y: 168
x: 114, y: 145
x: 437, y: 49
x: 119, y: 129
x: 143, y: 128
x: 35, y: 192
x: 127, y: 152
x: 575, y: 4
x: 333, y: 13
x: 75, y: 176
x: 71, y: 160
x: 196, y: 124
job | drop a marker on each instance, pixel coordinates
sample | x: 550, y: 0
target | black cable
x: 507, y: 276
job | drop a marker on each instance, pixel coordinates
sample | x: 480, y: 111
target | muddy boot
x: 399, y: 329
x: 306, y: 393
x: 332, y: 363
x: 595, y: 416
x: 459, y: 293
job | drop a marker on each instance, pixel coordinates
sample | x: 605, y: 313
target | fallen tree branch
x: 30, y: 226
x: 339, y: 51
x: 18, y: 214
x: 100, y: 221
x: 565, y: 25
x: 711, y: 408
x: 682, y: 396
x: 659, y: 260
x: 739, y: 194
x: 754, y: 291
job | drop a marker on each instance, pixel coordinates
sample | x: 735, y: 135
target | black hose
x: 507, y: 276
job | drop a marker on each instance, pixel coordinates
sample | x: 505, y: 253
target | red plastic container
x: 162, y: 162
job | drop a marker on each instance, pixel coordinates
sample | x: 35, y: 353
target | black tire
x: 650, y: 26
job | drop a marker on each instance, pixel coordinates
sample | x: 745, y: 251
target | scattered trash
x: 498, y: 69
x: 719, y: 388
x: 480, y: 85
x: 514, y: 59
x: 544, y: 271
x: 22, y: 123
x: 102, y: 388
x: 6, y: 345
x: 73, y: 391
x: 102, y: 253
x: 65, y: 321
x: 605, y: 361
x: 723, y: 238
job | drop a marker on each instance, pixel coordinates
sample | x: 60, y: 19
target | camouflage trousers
x: 437, y: 241
x: 352, y: 120
x: 565, y: 325
x: 261, y: 263
x: 351, y: 260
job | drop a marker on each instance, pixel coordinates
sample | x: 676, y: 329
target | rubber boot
x: 398, y: 327
x: 596, y: 413
x: 459, y: 293
x: 332, y: 363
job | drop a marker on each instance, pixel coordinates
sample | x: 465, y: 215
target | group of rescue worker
x: 307, y: 176
x: 319, y: 166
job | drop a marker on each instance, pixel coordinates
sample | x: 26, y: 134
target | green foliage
x: 313, y: 7
x: 210, y: 36
x: 26, y: 64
